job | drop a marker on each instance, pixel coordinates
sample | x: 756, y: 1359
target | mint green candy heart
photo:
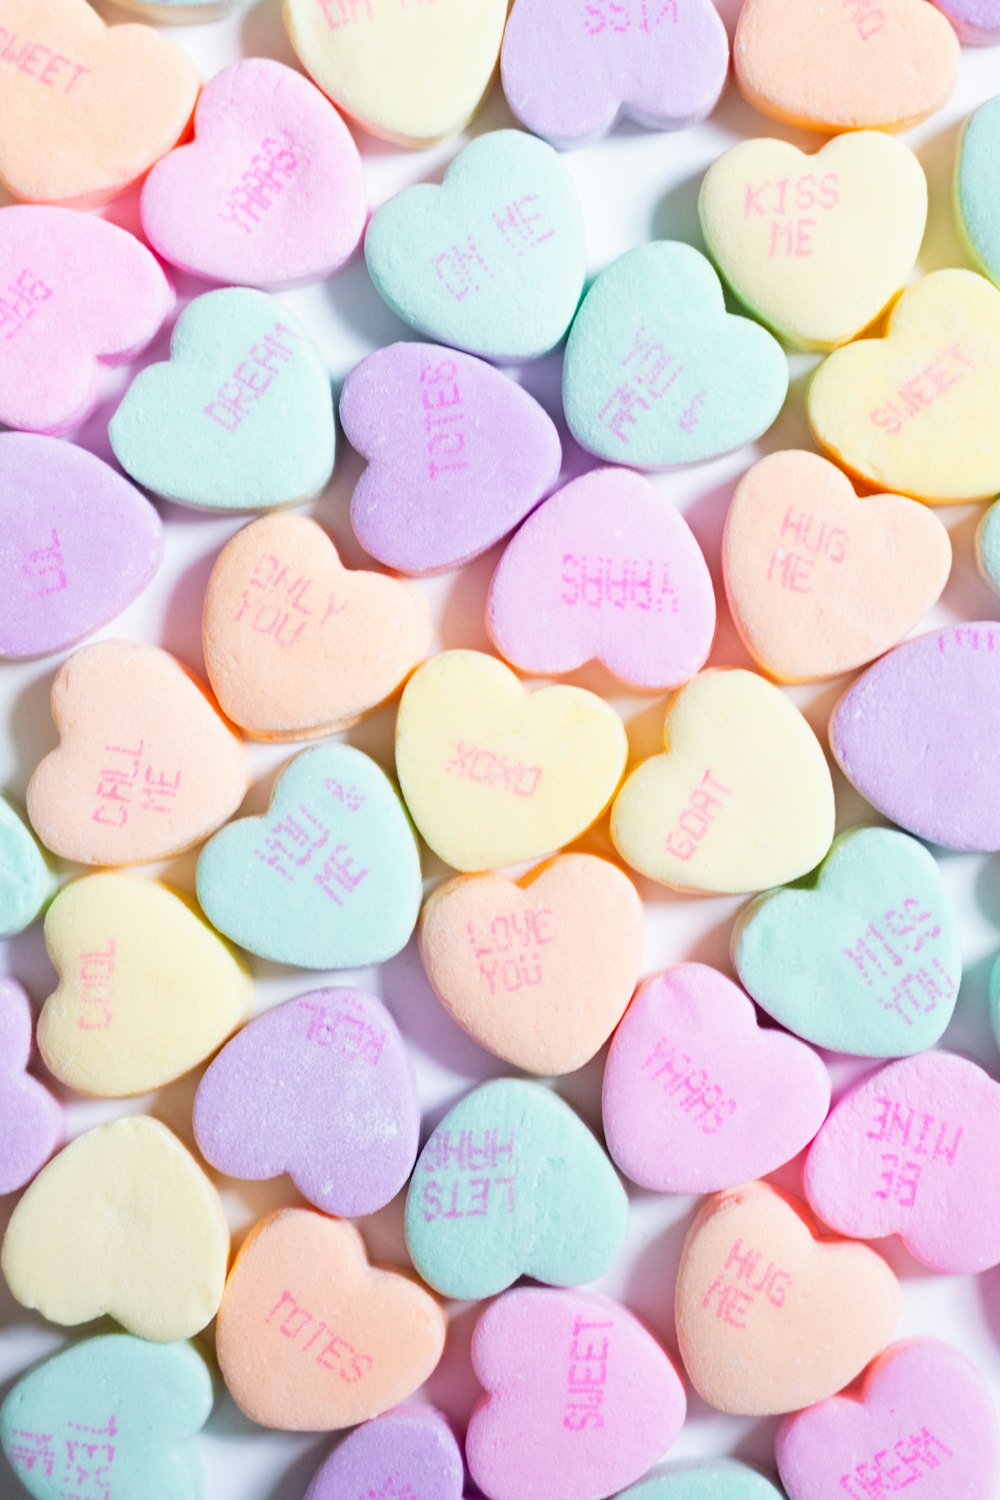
x: 241, y: 415
x: 26, y: 882
x: 110, y: 1417
x: 657, y: 372
x: 512, y: 1183
x: 977, y: 212
x: 329, y: 878
x: 995, y: 999
x: 721, y: 1480
x: 493, y: 260
x: 861, y: 957
x: 988, y: 545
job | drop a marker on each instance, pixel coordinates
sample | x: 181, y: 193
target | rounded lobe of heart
x: 977, y: 22
x: 819, y: 581
x: 31, y: 1119
x: 710, y: 1479
x: 311, y: 1338
x: 988, y: 546
x: 26, y: 881
x: 769, y: 1318
x: 408, y: 1451
x: 975, y: 206
x: 124, y: 1222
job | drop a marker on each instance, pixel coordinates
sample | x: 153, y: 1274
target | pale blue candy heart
x: 995, y: 999
x: 112, y: 1418
x: 329, y: 878
x: 26, y: 882
x: 988, y: 545
x: 977, y: 204
x: 713, y: 1480
x: 241, y: 415
x: 657, y: 372
x: 493, y: 260
x: 512, y: 1183
x: 863, y: 956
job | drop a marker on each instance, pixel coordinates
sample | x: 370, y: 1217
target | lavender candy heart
x: 321, y: 1088
x: 408, y: 1454
x: 457, y: 455
x: 77, y: 544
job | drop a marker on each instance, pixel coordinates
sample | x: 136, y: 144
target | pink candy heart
x: 30, y: 1118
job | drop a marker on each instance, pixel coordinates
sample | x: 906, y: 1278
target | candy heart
x: 913, y: 411
x: 918, y: 735
x: 741, y: 800
x: 717, y: 1479
x: 328, y: 878
x: 511, y: 1183
x: 571, y: 71
x: 560, y: 950
x: 976, y: 21
x: 412, y: 74
x: 770, y: 1319
x: 88, y: 108
x: 865, y: 957
x: 296, y: 645
x: 31, y: 1120
x: 146, y: 989
x: 184, y: 11
x: 994, y: 999
x: 654, y: 325
x: 145, y: 766
x: 311, y: 1337
x: 492, y: 774
x: 923, y: 1415
x: 123, y: 1221
x: 409, y: 1453
x: 76, y: 294
x: 847, y: 64
x: 192, y: 428
x: 815, y: 244
x: 988, y: 546
x: 270, y: 191
x: 26, y: 882
x: 463, y: 457
x: 113, y: 1413
x: 322, y: 1088
x: 976, y: 169
x: 696, y: 1096
x: 818, y: 581
x: 580, y: 1398
x: 605, y: 571
x: 491, y: 261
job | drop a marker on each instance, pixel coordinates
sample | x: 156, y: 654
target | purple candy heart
x: 409, y: 1454
x: 31, y: 1120
x: 321, y: 1088
x: 457, y: 455
x: 976, y: 21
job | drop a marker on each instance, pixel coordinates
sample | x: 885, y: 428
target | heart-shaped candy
x: 88, y: 108
x: 76, y: 294
x: 296, y: 645
x: 322, y: 1088
x: 269, y: 192
x: 464, y: 456
x: 205, y: 428
x: 580, y: 1399
x: 988, y: 546
x: 407, y: 1454
x: 123, y: 1221
x: 713, y: 1479
x: 864, y: 957
x: 26, y: 881
x: 994, y: 999
x: 145, y: 766
x: 491, y: 261
x: 820, y: 582
x: 146, y: 990
x: 606, y: 570
x: 571, y: 71
x: 492, y: 774
x: 846, y: 64
x: 770, y: 1318
x: 111, y: 1416
x: 741, y: 800
x: 512, y: 1183
x: 538, y: 971
x: 31, y: 1120
x: 657, y: 373
x: 974, y: 201
x: 328, y: 878
x: 698, y: 1097
x: 976, y: 21
x: 311, y: 1338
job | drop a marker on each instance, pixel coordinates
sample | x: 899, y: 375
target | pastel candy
x: 26, y: 881
x: 606, y: 570
x: 865, y: 957
x: 328, y: 878
x: 976, y: 21
x: 206, y: 429
x: 718, y: 1479
x: 492, y: 774
x: 491, y: 261
x: 311, y: 1338
x: 269, y: 192
x: 742, y: 799
x: 988, y: 546
x: 31, y: 1120
x: 511, y: 1183
x: 408, y: 1451
x: 123, y: 1221
x: 819, y: 581
x: 457, y: 455
x: 770, y: 1318
x: 145, y: 766
x: 696, y: 1096
x: 976, y: 171
x: 657, y: 373
x: 994, y: 999
x: 182, y: 11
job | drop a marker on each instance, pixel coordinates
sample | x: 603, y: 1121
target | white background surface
x: 635, y: 186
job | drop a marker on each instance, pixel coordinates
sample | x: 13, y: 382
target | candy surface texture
x: 411, y: 1448
x: 26, y: 881
x: 31, y: 1119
